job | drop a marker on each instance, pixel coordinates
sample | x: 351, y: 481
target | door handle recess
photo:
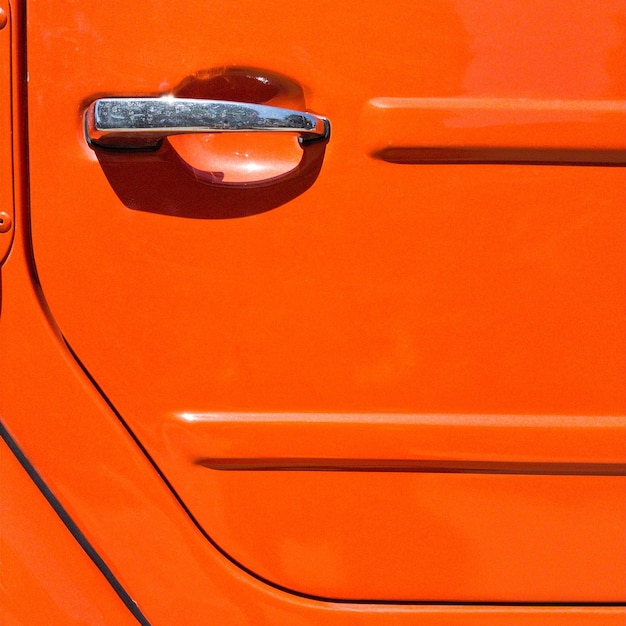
x: 142, y: 123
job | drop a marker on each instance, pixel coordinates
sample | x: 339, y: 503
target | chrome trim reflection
x: 144, y: 122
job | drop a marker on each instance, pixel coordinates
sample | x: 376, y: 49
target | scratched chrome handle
x: 144, y: 122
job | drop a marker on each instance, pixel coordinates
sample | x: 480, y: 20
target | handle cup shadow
x: 163, y: 182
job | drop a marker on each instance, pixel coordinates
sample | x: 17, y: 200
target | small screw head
x: 3, y: 18
x: 5, y: 222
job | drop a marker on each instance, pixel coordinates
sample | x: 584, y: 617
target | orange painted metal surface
x: 6, y: 158
x: 115, y: 496
x: 558, y: 444
x: 362, y: 284
x: 46, y: 577
x: 496, y: 130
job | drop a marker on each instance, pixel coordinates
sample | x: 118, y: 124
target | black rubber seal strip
x: 72, y: 527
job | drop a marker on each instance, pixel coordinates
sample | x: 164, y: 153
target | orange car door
x: 387, y: 365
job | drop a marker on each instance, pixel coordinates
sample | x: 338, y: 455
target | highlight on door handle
x: 142, y: 123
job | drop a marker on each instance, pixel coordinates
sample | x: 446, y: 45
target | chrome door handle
x: 144, y: 122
